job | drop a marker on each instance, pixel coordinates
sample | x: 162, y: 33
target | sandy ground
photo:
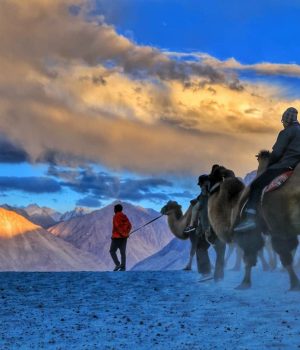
x: 147, y: 310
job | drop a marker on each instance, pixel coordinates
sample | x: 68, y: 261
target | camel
x: 177, y: 222
x: 280, y: 210
x: 268, y: 264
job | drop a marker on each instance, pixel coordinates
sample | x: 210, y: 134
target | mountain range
x: 77, y: 212
x: 44, y: 216
x: 174, y: 256
x: 80, y: 240
x: 92, y: 233
x: 25, y: 246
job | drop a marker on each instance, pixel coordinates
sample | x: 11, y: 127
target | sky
x: 132, y: 100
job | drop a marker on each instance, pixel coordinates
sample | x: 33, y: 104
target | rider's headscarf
x: 290, y: 115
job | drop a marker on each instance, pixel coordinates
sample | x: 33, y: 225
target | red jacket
x: 121, y: 226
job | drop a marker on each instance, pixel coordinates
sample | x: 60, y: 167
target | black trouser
x: 203, y: 262
x: 260, y: 183
x: 118, y: 243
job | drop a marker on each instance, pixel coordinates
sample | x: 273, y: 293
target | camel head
x: 219, y: 174
x: 176, y: 219
x: 263, y: 155
x: 172, y: 207
x: 263, y: 158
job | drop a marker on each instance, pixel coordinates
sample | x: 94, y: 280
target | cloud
x: 90, y: 94
x: 60, y: 35
x: 29, y: 184
x: 101, y: 185
x: 96, y: 186
x: 262, y: 68
x: 11, y: 153
x: 89, y: 201
x: 184, y: 194
x: 86, y: 181
x: 136, y: 190
x: 63, y: 174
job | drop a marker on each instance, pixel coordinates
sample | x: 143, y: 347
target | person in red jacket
x: 120, y: 233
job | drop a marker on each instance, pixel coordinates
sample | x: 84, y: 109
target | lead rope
x: 145, y: 224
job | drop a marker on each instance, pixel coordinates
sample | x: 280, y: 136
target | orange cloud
x: 262, y: 68
x: 146, y: 112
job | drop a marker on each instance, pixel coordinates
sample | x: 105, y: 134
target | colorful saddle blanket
x: 278, y: 181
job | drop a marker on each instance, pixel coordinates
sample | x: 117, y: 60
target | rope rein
x: 214, y: 188
x: 145, y: 225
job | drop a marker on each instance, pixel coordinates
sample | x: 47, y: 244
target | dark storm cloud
x: 89, y: 201
x: 100, y: 185
x: 143, y: 189
x: 55, y: 157
x: 10, y: 152
x: 29, y: 184
x: 62, y: 174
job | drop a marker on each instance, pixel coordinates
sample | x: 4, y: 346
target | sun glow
x: 12, y: 224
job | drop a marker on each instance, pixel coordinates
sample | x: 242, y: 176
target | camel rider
x: 285, y: 156
x: 199, y: 219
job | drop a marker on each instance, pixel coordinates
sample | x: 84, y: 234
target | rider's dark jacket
x: 286, y: 150
x: 203, y: 222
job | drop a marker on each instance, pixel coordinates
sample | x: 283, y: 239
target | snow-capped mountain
x: 92, y: 233
x: 25, y: 246
x: 42, y: 216
x: 34, y: 209
x: 174, y: 256
x: 19, y: 211
x: 77, y: 212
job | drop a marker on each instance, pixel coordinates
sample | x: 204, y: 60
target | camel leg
x: 273, y: 260
x: 285, y: 249
x: 238, y: 259
x: 297, y: 255
x: 194, y: 240
x: 271, y: 254
x: 297, y: 265
x: 220, y: 248
x: 251, y: 243
x: 265, y: 265
x: 188, y: 267
x: 246, y: 282
x: 294, y: 280
x: 229, y: 252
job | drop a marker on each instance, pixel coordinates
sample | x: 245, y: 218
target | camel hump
x: 232, y: 186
